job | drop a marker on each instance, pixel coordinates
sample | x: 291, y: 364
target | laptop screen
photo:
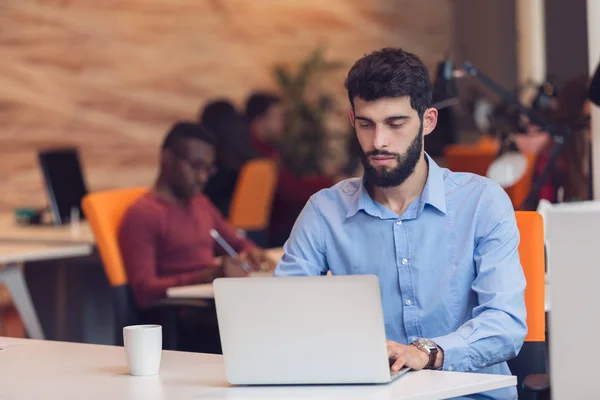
x: 64, y: 182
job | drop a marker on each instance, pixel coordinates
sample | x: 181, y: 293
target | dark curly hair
x: 258, y: 104
x: 182, y: 130
x: 390, y: 72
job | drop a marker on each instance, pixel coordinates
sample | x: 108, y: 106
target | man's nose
x: 202, y: 176
x: 380, y: 138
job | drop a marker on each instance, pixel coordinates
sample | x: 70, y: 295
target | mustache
x: 384, y: 153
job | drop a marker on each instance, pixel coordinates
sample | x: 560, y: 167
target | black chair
x: 530, y: 368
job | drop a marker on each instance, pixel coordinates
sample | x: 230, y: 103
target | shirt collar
x: 362, y: 201
x: 433, y: 194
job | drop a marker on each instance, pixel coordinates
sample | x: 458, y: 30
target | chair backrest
x: 478, y: 158
x: 469, y: 158
x: 531, y: 252
x: 104, y: 211
x: 253, y: 196
x: 488, y: 142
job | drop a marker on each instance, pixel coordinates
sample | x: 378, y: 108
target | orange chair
x: 469, y: 158
x: 532, y: 357
x: 478, y: 158
x: 104, y: 211
x: 253, y: 197
x: 487, y: 141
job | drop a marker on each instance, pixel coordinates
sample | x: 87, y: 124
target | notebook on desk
x: 303, y: 330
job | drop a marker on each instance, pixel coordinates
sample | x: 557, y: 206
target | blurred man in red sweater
x: 165, y: 238
x: 265, y: 115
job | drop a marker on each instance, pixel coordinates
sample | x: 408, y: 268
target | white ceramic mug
x: 143, y: 347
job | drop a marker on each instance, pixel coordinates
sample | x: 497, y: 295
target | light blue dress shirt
x: 448, y: 267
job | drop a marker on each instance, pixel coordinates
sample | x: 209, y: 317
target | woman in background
x: 570, y: 177
x: 233, y: 150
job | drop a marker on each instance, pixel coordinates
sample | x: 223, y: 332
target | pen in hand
x: 219, y: 239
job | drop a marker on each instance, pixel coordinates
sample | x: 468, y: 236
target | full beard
x: 406, y: 163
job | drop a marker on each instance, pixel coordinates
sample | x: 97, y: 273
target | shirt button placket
x: 404, y: 276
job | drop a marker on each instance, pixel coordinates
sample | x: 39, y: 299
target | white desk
x: 23, y: 243
x: 12, y: 254
x: 9, y: 229
x: 202, y: 291
x: 205, y: 291
x: 24, y: 251
x: 56, y: 370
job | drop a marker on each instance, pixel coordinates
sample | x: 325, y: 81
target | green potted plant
x: 308, y: 108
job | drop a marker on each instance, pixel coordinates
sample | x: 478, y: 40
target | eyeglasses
x: 197, y: 166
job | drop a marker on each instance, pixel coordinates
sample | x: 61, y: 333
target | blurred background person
x: 165, y: 237
x: 265, y: 114
x: 569, y: 179
x: 233, y: 149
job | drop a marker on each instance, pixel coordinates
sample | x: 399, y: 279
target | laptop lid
x: 302, y: 330
x: 63, y: 179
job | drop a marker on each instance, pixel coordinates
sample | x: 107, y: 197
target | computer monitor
x: 65, y: 185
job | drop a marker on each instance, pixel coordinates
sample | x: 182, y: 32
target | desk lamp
x: 511, y: 165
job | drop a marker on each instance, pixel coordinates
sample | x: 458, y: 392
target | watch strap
x: 431, y: 350
x: 432, y: 358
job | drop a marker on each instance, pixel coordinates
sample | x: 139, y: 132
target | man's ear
x: 430, y: 117
x: 351, y: 115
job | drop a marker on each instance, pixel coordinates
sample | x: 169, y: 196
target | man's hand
x: 406, y: 356
x: 258, y: 260
x: 232, y: 267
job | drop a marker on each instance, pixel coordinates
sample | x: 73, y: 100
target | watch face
x: 430, y: 344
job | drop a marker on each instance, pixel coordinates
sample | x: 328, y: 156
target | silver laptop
x: 303, y: 330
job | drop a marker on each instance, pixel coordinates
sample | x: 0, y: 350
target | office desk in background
x: 78, y: 290
x: 70, y: 293
x: 12, y: 255
x: 10, y: 230
x: 205, y: 291
x: 56, y: 370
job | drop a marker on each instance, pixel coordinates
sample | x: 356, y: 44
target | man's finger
x: 242, y: 260
x: 399, y: 363
x: 394, y: 350
x: 391, y: 345
x: 390, y: 350
x: 253, y: 259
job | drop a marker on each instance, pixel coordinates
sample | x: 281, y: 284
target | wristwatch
x: 428, y: 347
